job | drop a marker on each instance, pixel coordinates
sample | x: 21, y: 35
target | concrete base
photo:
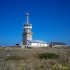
x: 22, y: 46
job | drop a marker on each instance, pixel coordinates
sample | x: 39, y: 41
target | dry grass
x: 31, y: 60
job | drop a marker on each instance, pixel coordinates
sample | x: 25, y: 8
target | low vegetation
x: 48, y: 56
x: 60, y: 67
x: 35, y: 59
x: 14, y: 58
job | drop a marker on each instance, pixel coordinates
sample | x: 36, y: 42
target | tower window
x: 29, y: 25
x: 26, y: 25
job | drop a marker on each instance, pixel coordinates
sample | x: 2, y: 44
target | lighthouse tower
x: 27, y: 34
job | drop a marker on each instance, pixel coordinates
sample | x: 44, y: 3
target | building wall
x: 29, y: 44
x: 26, y: 37
x: 38, y: 45
x: 58, y: 45
x: 29, y: 36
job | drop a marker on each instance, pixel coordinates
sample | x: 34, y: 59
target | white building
x: 27, y: 36
x: 57, y: 44
x: 36, y: 43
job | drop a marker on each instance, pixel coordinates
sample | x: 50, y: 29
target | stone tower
x: 27, y: 34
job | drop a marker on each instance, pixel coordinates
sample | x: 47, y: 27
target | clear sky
x: 50, y: 20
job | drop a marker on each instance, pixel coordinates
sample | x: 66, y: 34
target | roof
x: 37, y: 41
x: 58, y: 43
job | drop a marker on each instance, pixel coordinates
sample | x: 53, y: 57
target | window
x: 26, y: 25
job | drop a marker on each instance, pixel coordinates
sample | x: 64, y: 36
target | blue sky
x: 50, y: 20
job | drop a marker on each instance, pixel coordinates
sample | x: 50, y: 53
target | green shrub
x: 48, y: 56
x: 15, y: 58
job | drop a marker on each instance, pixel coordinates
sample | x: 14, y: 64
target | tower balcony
x: 27, y: 27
